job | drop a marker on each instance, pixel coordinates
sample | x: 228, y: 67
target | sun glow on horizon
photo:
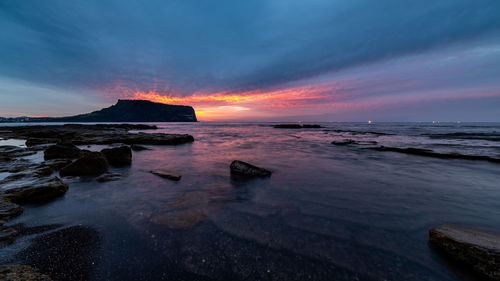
x: 226, y: 105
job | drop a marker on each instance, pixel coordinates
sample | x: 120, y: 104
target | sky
x: 259, y: 60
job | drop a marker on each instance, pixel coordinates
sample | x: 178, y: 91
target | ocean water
x: 327, y: 212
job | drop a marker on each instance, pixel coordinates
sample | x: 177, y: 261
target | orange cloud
x: 227, y: 105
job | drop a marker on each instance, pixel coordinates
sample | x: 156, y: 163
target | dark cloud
x: 185, y: 45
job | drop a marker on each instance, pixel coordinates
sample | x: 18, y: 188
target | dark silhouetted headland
x: 124, y: 111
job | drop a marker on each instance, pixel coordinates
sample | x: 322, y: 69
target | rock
x: 181, y: 219
x: 118, y: 156
x: 475, y: 247
x: 43, y: 171
x: 56, y: 164
x: 80, y: 134
x: 89, y: 164
x: 9, y: 151
x: 39, y: 141
x: 33, y: 190
x: 9, y: 210
x: 430, y: 153
x: 167, y: 174
x: 297, y: 126
x: 245, y: 169
x: 311, y: 126
x: 14, y: 177
x: 61, y: 151
x: 136, y: 147
x: 21, y: 273
x: 108, y: 177
x: 288, y: 126
x: 185, y: 211
x: 7, y: 235
x: 139, y: 138
x: 344, y: 142
x: 15, y: 165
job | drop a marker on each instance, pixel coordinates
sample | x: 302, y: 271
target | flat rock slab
x: 109, y: 177
x: 7, y: 234
x: 167, y: 174
x: 33, y: 190
x: 9, y: 210
x: 245, y: 169
x: 297, y: 126
x: 478, y: 248
x: 93, y: 134
x: 21, y: 273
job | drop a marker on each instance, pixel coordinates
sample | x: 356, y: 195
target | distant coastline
x: 122, y: 111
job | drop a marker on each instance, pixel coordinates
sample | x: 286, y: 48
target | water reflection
x: 326, y: 213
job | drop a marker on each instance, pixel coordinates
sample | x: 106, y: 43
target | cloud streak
x: 247, y: 53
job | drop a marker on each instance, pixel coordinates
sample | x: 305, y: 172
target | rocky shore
x: 31, y: 182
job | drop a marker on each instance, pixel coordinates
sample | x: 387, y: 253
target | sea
x: 327, y: 212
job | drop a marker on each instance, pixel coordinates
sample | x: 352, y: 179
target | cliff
x: 128, y: 111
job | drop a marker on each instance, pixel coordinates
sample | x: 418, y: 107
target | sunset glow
x: 221, y: 105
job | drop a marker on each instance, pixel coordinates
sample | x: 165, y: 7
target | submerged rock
x: 109, y: 177
x: 183, y: 212
x: 167, y: 174
x: 15, y: 165
x: 7, y: 235
x: 311, y: 126
x: 245, y: 169
x: 430, y: 153
x: 9, y: 210
x: 39, y: 141
x: 61, y: 151
x: 136, y: 147
x: 344, y: 142
x: 472, y: 246
x: 288, y: 126
x: 118, y: 156
x: 297, y: 126
x: 89, y: 164
x: 33, y: 190
x: 8, y: 152
x: 21, y: 273
x: 56, y: 164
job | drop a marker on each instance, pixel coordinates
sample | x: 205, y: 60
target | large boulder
x: 61, y: 151
x: 118, y: 156
x: 89, y: 164
x: 9, y: 210
x: 245, y: 169
x: 33, y: 190
x: 478, y: 248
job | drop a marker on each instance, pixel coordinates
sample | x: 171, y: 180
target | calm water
x: 327, y: 213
